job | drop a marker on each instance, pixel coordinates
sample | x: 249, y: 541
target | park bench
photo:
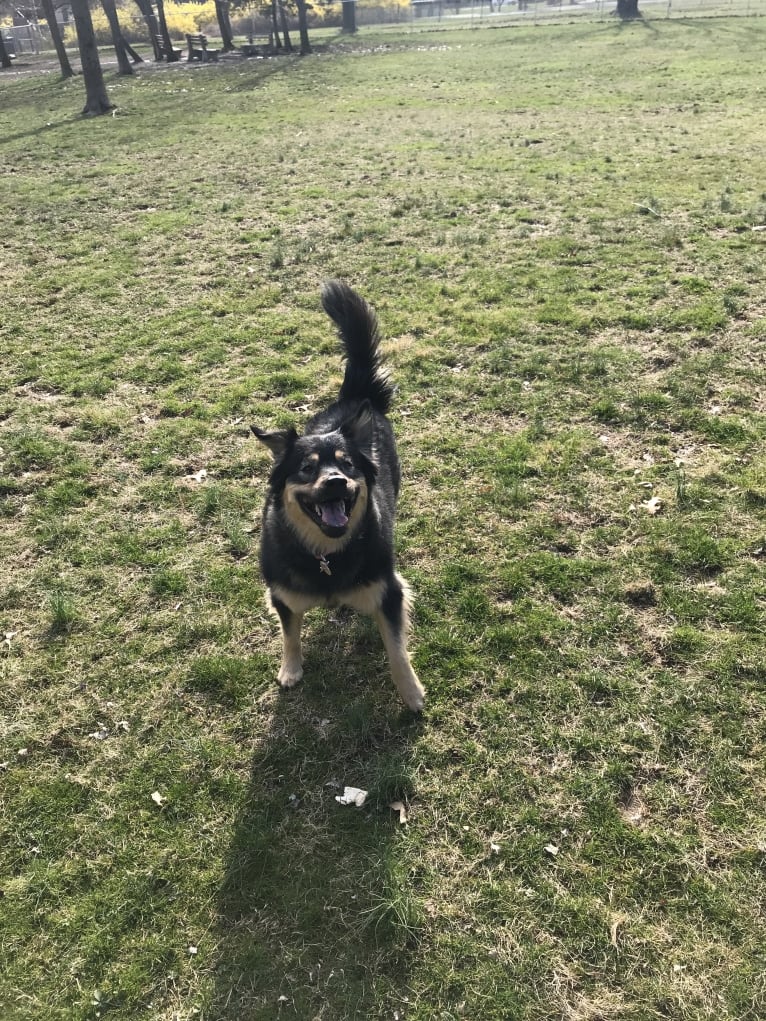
x: 174, y: 55
x: 198, y: 48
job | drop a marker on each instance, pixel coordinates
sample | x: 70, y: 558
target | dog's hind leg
x: 392, y: 619
x: 291, y: 670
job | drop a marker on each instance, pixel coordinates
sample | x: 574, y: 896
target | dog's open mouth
x: 331, y: 515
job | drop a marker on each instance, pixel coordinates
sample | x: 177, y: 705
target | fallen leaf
x: 197, y: 476
x: 192, y: 951
x: 551, y: 849
x: 494, y: 848
x: 352, y: 796
x: 653, y: 506
x: 158, y: 799
x: 401, y: 808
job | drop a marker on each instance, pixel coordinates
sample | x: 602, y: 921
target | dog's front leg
x: 393, y: 621
x: 291, y: 670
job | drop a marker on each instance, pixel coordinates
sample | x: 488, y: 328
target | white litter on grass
x: 352, y: 796
x: 401, y: 808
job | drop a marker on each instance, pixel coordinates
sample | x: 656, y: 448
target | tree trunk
x: 275, y: 26
x: 171, y: 53
x: 145, y: 6
x: 123, y: 60
x: 285, y: 30
x: 349, y: 16
x: 97, y: 101
x: 224, y: 25
x: 50, y: 16
x: 136, y: 58
x: 5, y: 60
x: 628, y: 9
x: 303, y: 27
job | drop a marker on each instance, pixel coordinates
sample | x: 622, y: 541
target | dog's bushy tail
x: 358, y: 329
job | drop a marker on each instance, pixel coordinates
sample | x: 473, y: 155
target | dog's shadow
x: 315, y: 916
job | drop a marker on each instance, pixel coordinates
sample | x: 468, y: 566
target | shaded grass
x: 554, y: 225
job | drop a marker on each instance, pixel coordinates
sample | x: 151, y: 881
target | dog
x: 327, y: 536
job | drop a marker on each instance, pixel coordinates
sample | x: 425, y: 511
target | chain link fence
x: 509, y: 12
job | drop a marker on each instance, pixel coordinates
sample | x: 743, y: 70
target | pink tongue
x: 334, y: 514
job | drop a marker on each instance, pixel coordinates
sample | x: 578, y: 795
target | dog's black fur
x: 327, y: 536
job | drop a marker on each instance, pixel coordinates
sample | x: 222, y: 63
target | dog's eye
x: 346, y: 463
x: 307, y: 467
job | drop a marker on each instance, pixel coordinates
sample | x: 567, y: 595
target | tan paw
x: 412, y: 693
x: 289, y: 676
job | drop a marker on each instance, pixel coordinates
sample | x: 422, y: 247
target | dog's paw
x: 413, y: 694
x: 289, y: 676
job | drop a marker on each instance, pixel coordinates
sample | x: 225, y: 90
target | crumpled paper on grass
x: 352, y: 796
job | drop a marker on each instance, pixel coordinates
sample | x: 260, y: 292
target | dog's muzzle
x: 331, y: 503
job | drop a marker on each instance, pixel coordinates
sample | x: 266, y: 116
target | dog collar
x: 324, y: 566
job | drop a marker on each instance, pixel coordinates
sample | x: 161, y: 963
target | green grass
x: 555, y: 225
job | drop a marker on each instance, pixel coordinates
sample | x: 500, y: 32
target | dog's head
x: 323, y: 480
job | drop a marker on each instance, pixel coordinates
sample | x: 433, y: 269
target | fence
x: 23, y: 38
x: 507, y: 12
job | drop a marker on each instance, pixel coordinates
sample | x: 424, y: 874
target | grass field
x: 556, y: 226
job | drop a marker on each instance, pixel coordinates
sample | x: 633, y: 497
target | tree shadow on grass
x: 316, y: 918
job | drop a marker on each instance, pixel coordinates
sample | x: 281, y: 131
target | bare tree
x: 285, y: 29
x: 120, y: 48
x: 147, y: 10
x: 627, y: 10
x: 303, y: 27
x: 97, y: 100
x: 224, y: 24
x: 56, y: 38
x: 5, y: 57
x: 171, y: 53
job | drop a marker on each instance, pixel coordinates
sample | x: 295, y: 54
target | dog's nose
x: 334, y: 483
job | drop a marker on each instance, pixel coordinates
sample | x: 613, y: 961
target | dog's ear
x: 358, y: 428
x: 278, y: 442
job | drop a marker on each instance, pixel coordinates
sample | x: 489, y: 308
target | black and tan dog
x: 327, y: 537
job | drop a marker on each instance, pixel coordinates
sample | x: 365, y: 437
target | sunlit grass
x: 556, y: 227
